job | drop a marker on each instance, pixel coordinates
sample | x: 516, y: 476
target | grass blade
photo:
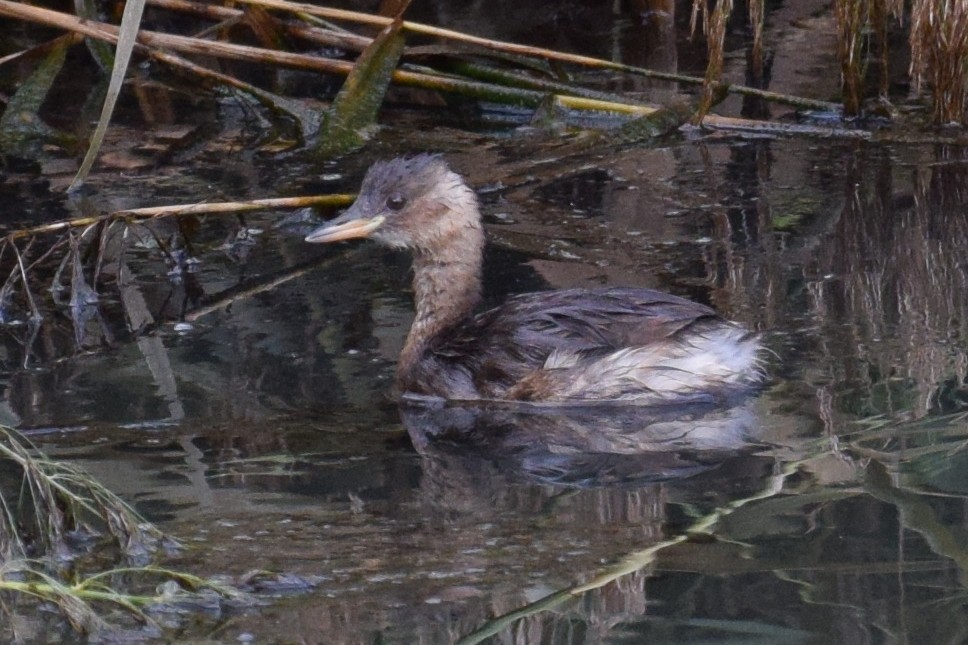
x: 130, y: 24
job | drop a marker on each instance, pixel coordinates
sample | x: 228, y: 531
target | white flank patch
x: 720, y: 358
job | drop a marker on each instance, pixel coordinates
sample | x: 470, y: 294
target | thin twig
x: 41, y: 49
x: 34, y: 311
x: 46, y: 254
x: 242, y: 292
x: 103, y: 237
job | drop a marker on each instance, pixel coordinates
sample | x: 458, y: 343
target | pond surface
x: 241, y: 400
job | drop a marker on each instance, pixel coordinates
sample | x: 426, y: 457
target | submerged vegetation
x: 54, y: 521
x: 57, y: 500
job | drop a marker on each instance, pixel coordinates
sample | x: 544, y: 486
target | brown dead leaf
x: 124, y: 160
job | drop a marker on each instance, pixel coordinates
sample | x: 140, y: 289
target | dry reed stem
x: 428, y: 30
x: 184, y: 44
x: 851, y: 17
x: 756, y: 23
x: 714, y: 25
x: 189, y: 45
x: 357, y: 43
x: 939, y: 55
x: 879, y: 17
x: 214, y: 208
x: 328, y: 37
x: 271, y: 101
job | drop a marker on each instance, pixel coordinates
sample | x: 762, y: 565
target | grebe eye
x: 396, y: 202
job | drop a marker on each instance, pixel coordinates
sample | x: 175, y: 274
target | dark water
x: 250, y: 416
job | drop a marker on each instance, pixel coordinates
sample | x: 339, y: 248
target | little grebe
x: 568, y: 346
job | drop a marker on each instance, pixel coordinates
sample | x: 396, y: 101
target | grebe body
x: 566, y: 346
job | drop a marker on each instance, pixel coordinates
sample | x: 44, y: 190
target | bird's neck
x: 447, y: 288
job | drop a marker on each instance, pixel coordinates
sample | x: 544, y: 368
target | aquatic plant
x: 57, y: 499
x: 52, y: 513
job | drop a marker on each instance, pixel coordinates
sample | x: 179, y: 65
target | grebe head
x: 416, y: 202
